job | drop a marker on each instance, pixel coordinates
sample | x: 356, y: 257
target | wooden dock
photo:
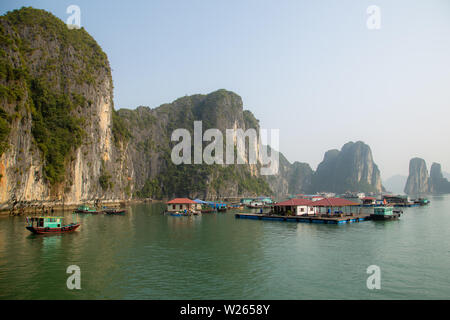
x: 324, y: 219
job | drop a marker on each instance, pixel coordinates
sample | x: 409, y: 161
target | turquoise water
x: 147, y: 255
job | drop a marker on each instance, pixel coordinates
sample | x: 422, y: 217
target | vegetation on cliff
x: 43, y: 66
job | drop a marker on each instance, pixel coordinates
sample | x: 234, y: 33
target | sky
x: 312, y: 69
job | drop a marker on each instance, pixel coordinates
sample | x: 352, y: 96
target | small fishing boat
x: 49, y: 225
x: 385, y: 213
x: 86, y: 209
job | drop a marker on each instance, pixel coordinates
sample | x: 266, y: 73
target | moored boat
x: 49, y: 225
x: 86, y: 209
x: 385, y: 213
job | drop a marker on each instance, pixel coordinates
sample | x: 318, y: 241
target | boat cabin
x: 45, y: 222
x: 383, y: 211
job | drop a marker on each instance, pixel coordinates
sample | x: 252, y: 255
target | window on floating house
x: 174, y: 207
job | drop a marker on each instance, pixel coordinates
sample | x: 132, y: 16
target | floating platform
x: 306, y: 219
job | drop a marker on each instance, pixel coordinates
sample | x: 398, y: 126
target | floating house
x: 181, y: 204
x: 336, y: 206
x: 296, y: 207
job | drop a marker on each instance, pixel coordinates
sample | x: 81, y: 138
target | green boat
x: 385, y: 213
x: 85, y: 209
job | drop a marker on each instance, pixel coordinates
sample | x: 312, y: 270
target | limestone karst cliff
x: 418, y: 179
x: 438, y: 184
x: 151, y: 146
x: 350, y: 169
x: 56, y: 112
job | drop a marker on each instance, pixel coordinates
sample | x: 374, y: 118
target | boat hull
x: 63, y: 229
x: 119, y: 212
x: 87, y: 211
x: 378, y: 217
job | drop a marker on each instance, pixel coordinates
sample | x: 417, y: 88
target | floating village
x: 325, y: 208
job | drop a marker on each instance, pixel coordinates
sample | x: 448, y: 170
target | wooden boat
x: 49, y: 225
x: 86, y: 209
x: 385, y: 213
x: 113, y: 211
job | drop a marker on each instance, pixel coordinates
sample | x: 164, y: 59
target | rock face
x: 438, y: 184
x: 150, y: 148
x: 291, y: 179
x: 56, y: 114
x: 351, y: 169
x: 417, y: 182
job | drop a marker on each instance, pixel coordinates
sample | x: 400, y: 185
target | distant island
x: 420, y: 182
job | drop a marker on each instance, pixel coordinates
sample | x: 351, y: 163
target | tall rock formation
x: 350, y: 169
x: 418, y: 181
x: 437, y: 182
x: 56, y: 113
x: 151, y: 146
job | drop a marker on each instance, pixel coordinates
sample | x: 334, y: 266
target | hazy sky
x: 310, y: 68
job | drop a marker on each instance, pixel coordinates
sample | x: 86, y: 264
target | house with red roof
x: 296, y: 207
x: 181, y: 204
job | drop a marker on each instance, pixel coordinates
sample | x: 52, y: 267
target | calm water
x: 146, y: 255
